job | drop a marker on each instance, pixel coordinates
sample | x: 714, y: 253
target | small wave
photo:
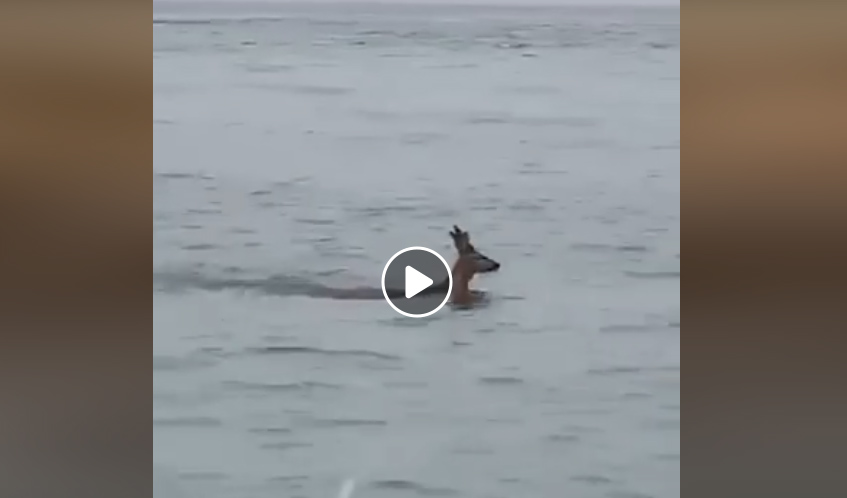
x: 203, y: 476
x: 307, y: 90
x: 280, y: 350
x: 590, y: 247
x: 633, y: 248
x: 663, y: 45
x: 414, y: 487
x: 188, y: 422
x: 624, y: 329
x: 656, y: 275
x: 276, y: 431
x: 501, y: 381
x: 204, y: 212
x: 637, y: 396
x: 593, y: 480
x: 175, y: 364
x: 182, y: 22
x: 530, y: 121
x: 513, y: 45
x: 511, y: 480
x: 279, y: 285
x: 315, y: 222
x: 200, y: 247
x: 631, y: 370
x: 267, y: 68
x: 165, y: 21
x: 488, y: 120
x: 289, y: 479
x: 383, y: 211
x: 616, y: 371
x: 178, y: 176
x: 526, y: 206
x: 346, y: 422
x: 296, y: 386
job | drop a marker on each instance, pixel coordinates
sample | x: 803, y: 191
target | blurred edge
x: 75, y: 145
x: 765, y: 199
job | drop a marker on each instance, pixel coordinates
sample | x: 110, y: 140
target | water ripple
x: 502, y: 381
x: 274, y: 388
x: 345, y: 422
x: 188, y: 422
x: 277, y: 285
x: 413, y: 488
x: 594, y: 480
x: 654, y: 275
x: 181, y: 364
x: 307, y: 351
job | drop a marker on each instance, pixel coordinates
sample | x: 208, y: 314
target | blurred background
x: 765, y: 200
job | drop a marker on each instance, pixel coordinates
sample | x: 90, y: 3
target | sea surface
x: 298, y: 148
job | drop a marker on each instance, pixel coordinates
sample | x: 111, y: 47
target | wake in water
x: 276, y: 285
x: 291, y: 286
x: 472, y: 262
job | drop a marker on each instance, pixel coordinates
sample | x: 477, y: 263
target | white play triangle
x: 416, y: 282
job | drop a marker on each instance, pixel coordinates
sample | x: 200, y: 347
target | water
x: 298, y: 148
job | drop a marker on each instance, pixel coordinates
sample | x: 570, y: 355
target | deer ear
x: 459, y: 232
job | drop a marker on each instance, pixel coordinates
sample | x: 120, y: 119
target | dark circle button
x: 417, y: 282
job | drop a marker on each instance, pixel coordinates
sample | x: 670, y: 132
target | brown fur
x: 464, y: 269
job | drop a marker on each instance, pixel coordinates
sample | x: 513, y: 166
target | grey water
x: 298, y: 147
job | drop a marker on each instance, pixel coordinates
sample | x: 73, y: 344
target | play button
x: 417, y: 282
